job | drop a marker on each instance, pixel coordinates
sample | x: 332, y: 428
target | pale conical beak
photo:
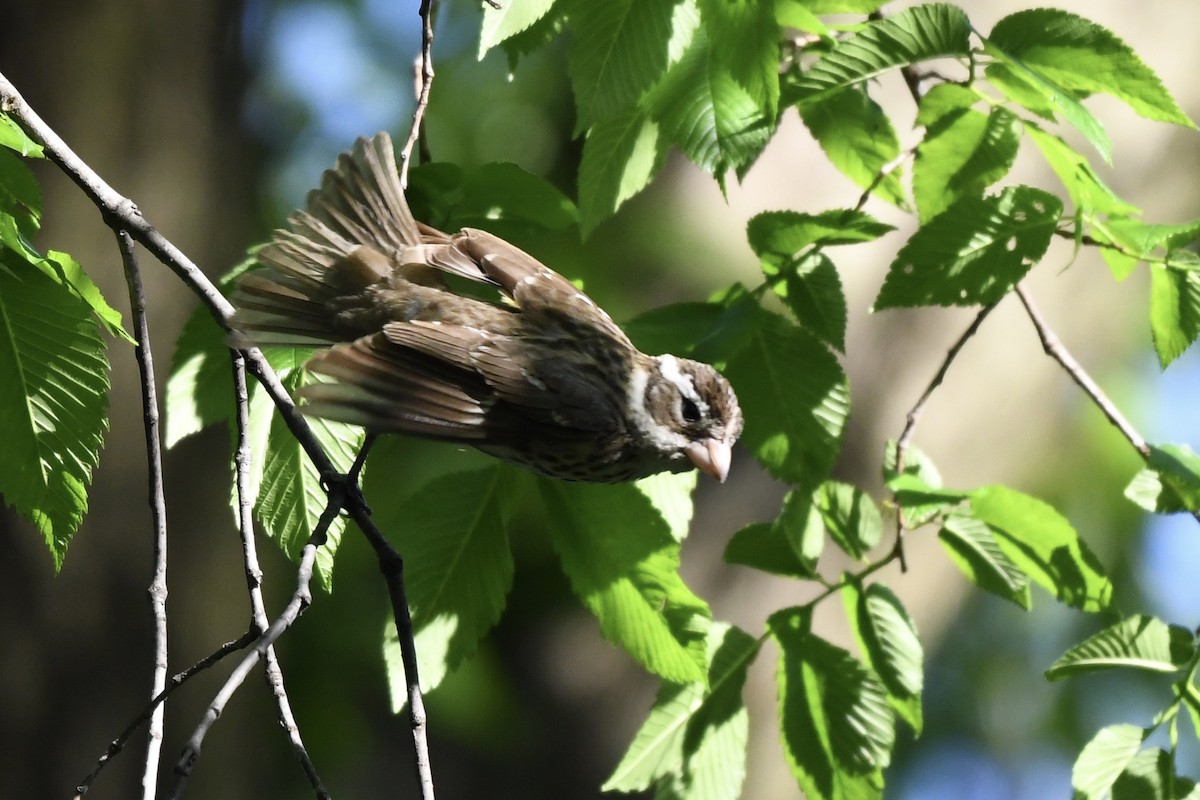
x: 711, y: 457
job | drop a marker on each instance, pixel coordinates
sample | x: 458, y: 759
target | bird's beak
x: 711, y: 457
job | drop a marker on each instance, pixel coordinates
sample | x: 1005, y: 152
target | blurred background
x: 216, y: 116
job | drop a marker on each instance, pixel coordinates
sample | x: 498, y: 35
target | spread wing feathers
x: 535, y: 288
x: 386, y: 388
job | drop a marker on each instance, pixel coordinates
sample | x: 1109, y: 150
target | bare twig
x: 914, y: 415
x: 1054, y: 348
x: 881, y: 176
x: 177, y: 680
x: 158, y: 507
x: 121, y: 213
x: 271, y: 667
x: 427, y: 11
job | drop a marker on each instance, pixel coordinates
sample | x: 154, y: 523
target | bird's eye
x: 691, y: 412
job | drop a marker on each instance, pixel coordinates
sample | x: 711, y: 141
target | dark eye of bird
x: 691, y: 412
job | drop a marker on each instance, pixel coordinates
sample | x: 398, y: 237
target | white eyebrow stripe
x: 668, y: 365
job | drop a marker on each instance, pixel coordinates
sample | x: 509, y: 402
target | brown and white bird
x: 543, y: 379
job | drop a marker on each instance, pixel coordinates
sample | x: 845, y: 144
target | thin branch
x: 1054, y: 348
x: 273, y: 671
x: 177, y: 680
x: 121, y: 213
x: 914, y: 415
x: 424, y: 84
x: 881, y: 176
x: 158, y: 507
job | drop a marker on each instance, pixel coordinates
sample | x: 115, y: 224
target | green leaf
x: 14, y: 138
x: 701, y: 107
x: 1045, y: 98
x: 290, y: 498
x: 1150, y: 775
x: 536, y: 37
x: 508, y: 20
x: 888, y: 639
x: 840, y: 6
x: 1088, y: 192
x: 778, y: 236
x: 1170, y: 482
x: 53, y: 398
x: 621, y: 154
x: 943, y: 99
x: 676, y: 328
x: 745, y: 44
x: 850, y: 516
x: 1045, y: 546
x: 671, y: 495
x: 961, y: 155
x: 915, y: 34
x: 200, y: 385
x: 789, y: 546
x: 1103, y: 759
x: 619, y: 51
x: 921, y: 501
x: 1174, y: 311
x: 857, y: 138
x: 504, y: 194
x: 1084, y: 57
x: 916, y: 464
x: 974, y: 549
x: 623, y: 564
x: 695, y: 736
x: 974, y: 252
x: 792, y: 391
x: 812, y: 291
x: 837, y: 726
x: 1138, y: 642
x: 457, y: 565
x: 20, y: 194
x: 69, y: 271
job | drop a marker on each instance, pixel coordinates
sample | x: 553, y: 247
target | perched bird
x: 543, y: 379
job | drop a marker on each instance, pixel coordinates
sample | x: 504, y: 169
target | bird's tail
x: 354, y: 229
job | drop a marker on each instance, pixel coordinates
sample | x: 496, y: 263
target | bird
x: 540, y: 376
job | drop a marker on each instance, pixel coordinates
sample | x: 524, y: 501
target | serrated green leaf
x: 812, y: 291
x: 789, y: 546
x: 858, y: 139
x: 620, y: 50
x: 962, y: 154
x: 916, y: 464
x: 20, y: 194
x: 200, y: 385
x: 973, y: 548
x: 888, y: 639
x: 792, y: 391
x: 841, y: 6
x: 836, y: 724
x: 676, y: 328
x: 1041, y: 95
x: 1088, y: 192
x: 745, y: 44
x: 671, y: 496
x: 290, y: 498
x: 504, y: 194
x: 915, y: 34
x: 1150, y: 775
x: 623, y: 564
x: 69, y: 270
x: 509, y: 19
x: 53, y: 398
x: 695, y: 737
x: 14, y: 138
x: 778, y: 236
x: 943, y: 99
x: 1045, y: 546
x: 974, y: 252
x: 1174, y: 311
x: 794, y: 14
x: 621, y: 155
x: 701, y: 108
x: 1081, y: 56
x: 457, y: 565
x: 1103, y: 759
x: 850, y: 517
x: 1170, y: 483
x: 919, y: 498
x: 536, y: 37
x: 1138, y: 642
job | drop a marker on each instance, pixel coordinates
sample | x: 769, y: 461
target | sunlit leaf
x: 1138, y: 642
